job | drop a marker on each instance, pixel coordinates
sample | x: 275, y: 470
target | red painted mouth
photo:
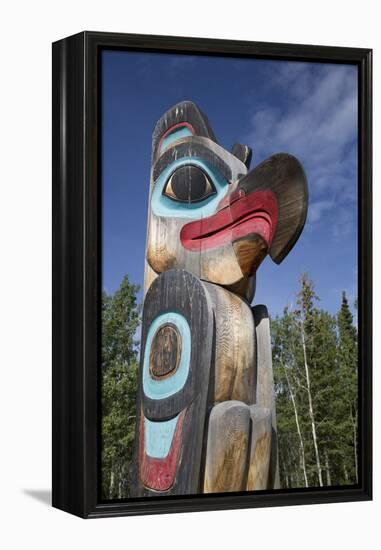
x: 255, y: 213
x: 158, y: 474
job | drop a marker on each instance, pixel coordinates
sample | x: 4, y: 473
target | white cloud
x: 314, y: 117
x: 316, y: 209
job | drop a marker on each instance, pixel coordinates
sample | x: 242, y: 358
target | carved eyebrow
x: 191, y: 147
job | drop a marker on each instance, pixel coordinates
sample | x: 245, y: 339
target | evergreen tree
x: 120, y: 320
x: 347, y: 358
x: 290, y: 409
x: 316, y: 386
x: 315, y: 372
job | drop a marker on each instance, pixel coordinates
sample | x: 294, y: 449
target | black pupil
x: 189, y: 183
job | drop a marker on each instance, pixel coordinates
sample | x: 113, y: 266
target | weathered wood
x: 265, y: 384
x: 238, y: 217
x: 243, y: 153
x: 149, y: 276
x: 172, y: 408
x: 164, y: 247
x: 283, y: 175
x: 235, y: 370
x: 165, y: 352
x: 227, y: 447
x: 250, y: 251
x: 244, y: 288
x: 185, y: 112
x: 260, y: 449
x: 210, y: 225
x: 216, y: 156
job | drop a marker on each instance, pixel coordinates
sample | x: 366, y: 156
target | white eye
x: 189, y: 184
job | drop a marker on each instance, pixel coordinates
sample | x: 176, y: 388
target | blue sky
x: 306, y: 109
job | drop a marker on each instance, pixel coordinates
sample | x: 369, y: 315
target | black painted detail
x: 189, y: 184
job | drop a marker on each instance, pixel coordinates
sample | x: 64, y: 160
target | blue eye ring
x: 164, y: 206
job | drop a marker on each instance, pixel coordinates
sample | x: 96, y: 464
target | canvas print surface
x: 229, y: 275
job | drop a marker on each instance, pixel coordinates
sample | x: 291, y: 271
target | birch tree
x: 284, y: 362
x: 306, y: 319
x: 315, y: 371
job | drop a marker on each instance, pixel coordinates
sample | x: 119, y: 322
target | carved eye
x: 189, y: 184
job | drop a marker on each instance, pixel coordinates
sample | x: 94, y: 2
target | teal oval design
x: 166, y: 207
x: 161, y: 389
x: 158, y: 436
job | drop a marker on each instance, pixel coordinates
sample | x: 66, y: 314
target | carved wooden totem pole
x: 206, y: 418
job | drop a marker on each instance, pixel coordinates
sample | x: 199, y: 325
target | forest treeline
x: 316, y: 388
x: 315, y: 375
x: 120, y: 320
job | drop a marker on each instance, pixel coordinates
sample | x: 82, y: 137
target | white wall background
x: 27, y: 29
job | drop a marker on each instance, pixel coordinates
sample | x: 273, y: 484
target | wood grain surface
x: 284, y: 176
x: 265, y: 384
x: 260, y: 449
x: 180, y: 293
x: 235, y: 368
x: 165, y: 352
x: 208, y: 278
x: 227, y: 447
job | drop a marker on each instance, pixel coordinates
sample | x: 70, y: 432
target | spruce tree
x: 348, y: 364
x: 120, y: 320
x: 315, y: 373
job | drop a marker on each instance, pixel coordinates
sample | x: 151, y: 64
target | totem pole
x: 206, y: 419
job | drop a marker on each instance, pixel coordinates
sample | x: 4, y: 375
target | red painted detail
x: 254, y: 213
x: 176, y: 127
x: 158, y: 474
x: 230, y: 198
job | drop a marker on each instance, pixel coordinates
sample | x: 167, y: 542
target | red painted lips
x: 244, y: 215
x: 158, y: 474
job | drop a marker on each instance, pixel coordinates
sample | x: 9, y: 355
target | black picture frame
x: 76, y: 272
